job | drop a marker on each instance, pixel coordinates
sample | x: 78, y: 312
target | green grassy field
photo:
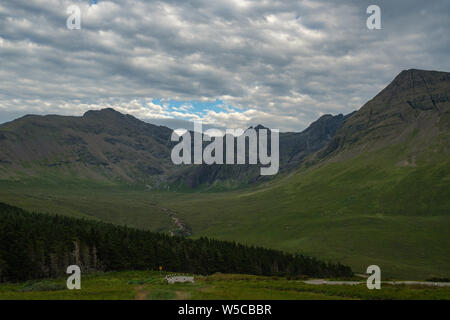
x: 150, y: 285
x: 82, y: 199
x: 365, y: 210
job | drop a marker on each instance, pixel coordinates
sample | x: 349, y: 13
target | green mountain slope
x: 415, y: 105
x: 104, y: 146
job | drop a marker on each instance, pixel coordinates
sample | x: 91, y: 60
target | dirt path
x: 141, y: 294
x: 182, y: 295
x: 352, y: 283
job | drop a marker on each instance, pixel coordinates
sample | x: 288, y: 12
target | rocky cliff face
x: 294, y: 148
x: 416, y: 101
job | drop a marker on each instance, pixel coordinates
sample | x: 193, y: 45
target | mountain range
x: 107, y: 146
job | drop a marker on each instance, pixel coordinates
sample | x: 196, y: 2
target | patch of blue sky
x: 199, y: 108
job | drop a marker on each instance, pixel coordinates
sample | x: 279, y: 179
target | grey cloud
x: 281, y: 63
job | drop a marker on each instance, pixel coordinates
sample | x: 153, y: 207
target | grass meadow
x: 150, y: 285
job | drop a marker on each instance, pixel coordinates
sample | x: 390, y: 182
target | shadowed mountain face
x: 101, y: 145
x: 294, y: 148
x: 108, y: 146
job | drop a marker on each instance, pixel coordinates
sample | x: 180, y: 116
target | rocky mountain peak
x: 106, y: 112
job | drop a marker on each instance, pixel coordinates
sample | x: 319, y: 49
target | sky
x: 231, y: 64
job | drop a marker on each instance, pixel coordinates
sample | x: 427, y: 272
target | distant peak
x: 413, y: 78
x: 102, y: 112
x: 410, y: 70
x: 260, y: 126
x: 325, y: 116
x: 414, y: 71
x: 411, y: 73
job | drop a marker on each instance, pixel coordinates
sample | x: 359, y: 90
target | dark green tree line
x: 34, y: 245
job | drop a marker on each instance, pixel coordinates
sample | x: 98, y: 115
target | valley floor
x: 350, y: 230
x: 150, y: 285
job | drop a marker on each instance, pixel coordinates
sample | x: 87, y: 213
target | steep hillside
x: 109, y: 147
x: 396, y: 149
x: 415, y: 105
x: 101, y: 146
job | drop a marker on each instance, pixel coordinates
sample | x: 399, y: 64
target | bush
x: 439, y: 280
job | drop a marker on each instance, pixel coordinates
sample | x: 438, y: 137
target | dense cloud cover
x: 232, y: 63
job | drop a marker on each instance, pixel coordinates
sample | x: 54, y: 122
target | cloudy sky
x: 230, y: 63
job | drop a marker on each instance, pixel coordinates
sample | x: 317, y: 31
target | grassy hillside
x: 104, y: 146
x: 362, y: 211
x: 149, y: 285
x: 121, y: 205
x: 388, y: 207
x: 330, y: 212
